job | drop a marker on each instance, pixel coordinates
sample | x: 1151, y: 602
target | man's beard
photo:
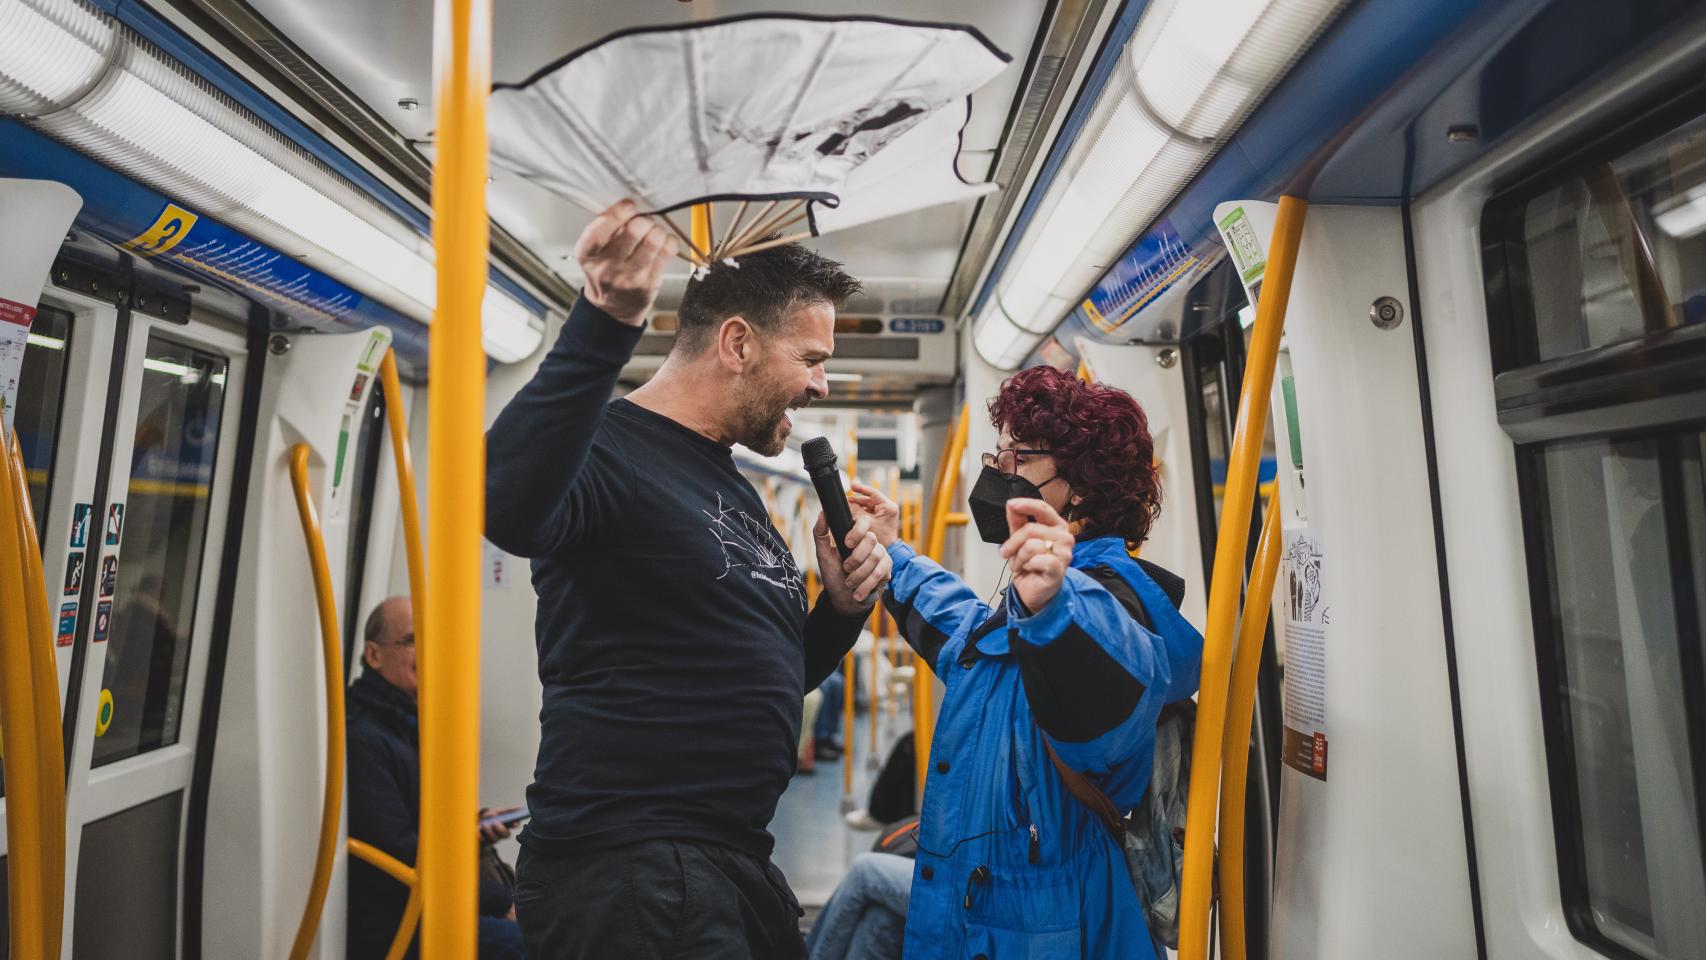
x: 761, y: 429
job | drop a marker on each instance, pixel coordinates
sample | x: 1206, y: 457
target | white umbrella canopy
x: 842, y: 119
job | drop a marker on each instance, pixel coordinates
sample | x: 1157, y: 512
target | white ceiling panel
x: 382, y: 50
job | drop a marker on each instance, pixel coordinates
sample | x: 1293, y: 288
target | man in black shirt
x: 675, y: 645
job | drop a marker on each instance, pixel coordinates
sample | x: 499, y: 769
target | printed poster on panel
x: 1306, y: 614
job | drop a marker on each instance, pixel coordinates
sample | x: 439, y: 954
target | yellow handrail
x: 403, y: 874
x: 330, y: 642
x: 399, y: 428
x: 456, y: 495
x: 1229, y: 553
x: 923, y: 699
x: 26, y: 859
x: 1241, y: 709
x: 849, y: 674
x: 44, y: 682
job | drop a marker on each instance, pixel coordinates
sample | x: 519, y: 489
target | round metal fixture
x: 1386, y: 313
x: 1167, y: 359
x: 409, y: 103
x: 1462, y: 132
x: 278, y: 345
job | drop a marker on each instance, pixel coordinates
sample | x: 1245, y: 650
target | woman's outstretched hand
x: 1039, y: 549
x: 868, y: 501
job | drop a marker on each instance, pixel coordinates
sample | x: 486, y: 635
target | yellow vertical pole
x: 456, y: 494
x: 26, y: 856
x: 1228, y: 579
x: 699, y: 227
x: 849, y: 675
x: 923, y: 694
x: 871, y: 692
x: 332, y: 665
x: 399, y: 428
x: 1241, y: 709
x: 44, y: 682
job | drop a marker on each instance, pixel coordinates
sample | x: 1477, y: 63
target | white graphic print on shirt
x: 753, y: 546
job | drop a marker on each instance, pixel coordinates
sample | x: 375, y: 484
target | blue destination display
x: 1159, y: 261
x: 122, y: 211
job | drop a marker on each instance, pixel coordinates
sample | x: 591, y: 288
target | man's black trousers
x: 656, y: 900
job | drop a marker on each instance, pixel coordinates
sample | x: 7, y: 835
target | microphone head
x: 818, y: 454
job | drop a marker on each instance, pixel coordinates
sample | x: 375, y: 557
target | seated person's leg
x: 876, y: 884
x: 829, y: 714
x: 500, y: 939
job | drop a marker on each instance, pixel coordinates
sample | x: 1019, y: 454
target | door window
x: 165, y: 525
x: 41, y: 388
x: 1625, y: 530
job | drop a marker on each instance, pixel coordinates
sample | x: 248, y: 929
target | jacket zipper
x: 1036, y: 849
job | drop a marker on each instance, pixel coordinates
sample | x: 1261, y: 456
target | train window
x: 365, y: 471
x: 1623, y: 524
x: 41, y: 388
x: 1613, y: 251
x: 166, y: 517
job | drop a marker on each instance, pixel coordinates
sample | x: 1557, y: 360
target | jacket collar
x: 377, y: 694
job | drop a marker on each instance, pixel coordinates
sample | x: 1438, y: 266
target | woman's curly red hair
x: 1100, y: 441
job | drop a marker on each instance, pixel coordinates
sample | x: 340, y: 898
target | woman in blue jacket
x: 1078, y: 658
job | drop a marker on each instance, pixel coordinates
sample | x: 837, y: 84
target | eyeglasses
x: 1006, y: 462
x: 407, y: 640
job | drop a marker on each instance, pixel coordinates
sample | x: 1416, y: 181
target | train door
x: 135, y: 474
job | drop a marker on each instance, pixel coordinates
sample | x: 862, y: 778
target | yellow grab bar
x: 26, y: 860
x: 923, y: 697
x: 330, y: 642
x: 456, y: 495
x: 399, y: 428
x: 849, y: 674
x: 44, y: 681
x: 871, y: 692
x: 1229, y: 553
x: 403, y: 874
x: 1241, y: 709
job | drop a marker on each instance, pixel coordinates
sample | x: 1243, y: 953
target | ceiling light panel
x: 89, y: 82
x: 1190, y: 75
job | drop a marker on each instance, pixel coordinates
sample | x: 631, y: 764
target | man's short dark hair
x: 764, y: 289
x: 378, y: 622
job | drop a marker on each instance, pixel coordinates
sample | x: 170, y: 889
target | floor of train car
x: 814, y: 844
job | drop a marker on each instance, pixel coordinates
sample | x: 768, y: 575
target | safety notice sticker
x: 103, y: 620
x: 67, y: 625
x: 74, y: 574
x: 1306, y: 615
x: 115, y: 524
x: 80, y: 525
x: 15, y: 320
x: 109, y: 575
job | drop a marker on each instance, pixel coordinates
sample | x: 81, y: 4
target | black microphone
x: 826, y: 477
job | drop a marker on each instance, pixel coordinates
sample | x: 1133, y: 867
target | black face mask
x: 989, y: 498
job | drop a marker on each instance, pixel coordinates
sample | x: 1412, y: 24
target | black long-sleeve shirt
x: 674, y: 643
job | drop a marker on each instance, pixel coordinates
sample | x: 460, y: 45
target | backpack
x: 1153, y: 835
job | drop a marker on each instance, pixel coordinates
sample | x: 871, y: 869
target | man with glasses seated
x: 384, y: 796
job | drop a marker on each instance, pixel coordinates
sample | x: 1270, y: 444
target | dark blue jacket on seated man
x: 675, y: 644
x: 384, y: 762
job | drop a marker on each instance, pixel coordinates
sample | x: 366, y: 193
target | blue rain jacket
x: 1010, y: 863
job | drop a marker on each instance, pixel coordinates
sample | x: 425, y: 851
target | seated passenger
x: 1069, y: 671
x: 384, y: 797
x: 865, y: 919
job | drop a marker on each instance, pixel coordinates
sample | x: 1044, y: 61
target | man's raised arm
x: 537, y: 446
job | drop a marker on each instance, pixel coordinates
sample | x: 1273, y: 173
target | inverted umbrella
x: 835, y: 120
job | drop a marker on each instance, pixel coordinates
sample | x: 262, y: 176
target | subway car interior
x: 1412, y: 294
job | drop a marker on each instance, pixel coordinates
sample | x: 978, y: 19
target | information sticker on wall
x: 1306, y: 614
x: 15, y: 320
